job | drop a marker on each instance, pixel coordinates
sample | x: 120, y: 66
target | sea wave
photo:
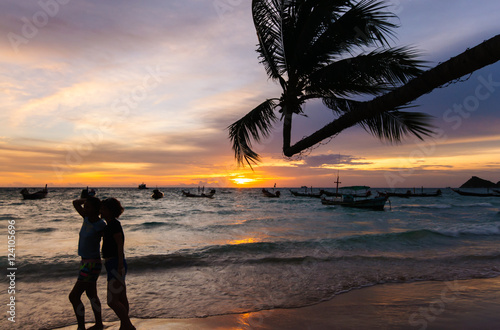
x: 445, y: 206
x: 393, y: 267
x: 384, y: 248
x: 405, y: 245
x: 407, y: 241
x: 43, y: 230
x: 170, y: 215
x: 9, y: 217
x: 492, y: 229
x: 473, y: 205
x: 426, y: 206
x: 151, y: 225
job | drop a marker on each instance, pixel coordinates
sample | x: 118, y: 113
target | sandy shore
x: 467, y: 304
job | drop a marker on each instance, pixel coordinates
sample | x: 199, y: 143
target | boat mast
x: 337, y: 182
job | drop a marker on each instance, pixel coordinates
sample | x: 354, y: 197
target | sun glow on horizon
x: 242, y: 180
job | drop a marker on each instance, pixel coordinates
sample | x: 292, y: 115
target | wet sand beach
x: 461, y: 304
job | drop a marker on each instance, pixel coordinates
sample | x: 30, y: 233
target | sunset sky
x: 116, y: 93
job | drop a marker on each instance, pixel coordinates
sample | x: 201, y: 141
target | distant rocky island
x: 476, y: 182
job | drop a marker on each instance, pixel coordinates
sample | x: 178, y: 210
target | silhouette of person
x: 116, y: 265
x: 90, y: 264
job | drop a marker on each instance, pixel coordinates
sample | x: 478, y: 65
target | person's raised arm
x: 78, y: 205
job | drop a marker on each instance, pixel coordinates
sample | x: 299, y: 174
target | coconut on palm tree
x: 339, y: 52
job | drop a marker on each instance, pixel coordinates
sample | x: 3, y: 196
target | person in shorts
x: 90, y: 265
x: 114, y: 259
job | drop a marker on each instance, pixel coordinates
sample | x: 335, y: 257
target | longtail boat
x: 269, y: 194
x: 36, y: 195
x: 209, y: 195
x: 376, y: 203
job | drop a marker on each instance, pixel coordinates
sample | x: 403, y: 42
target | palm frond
x: 311, y: 20
x: 372, y: 73
x: 340, y: 105
x: 267, y: 17
x: 254, y: 125
x: 378, y: 26
x: 335, y: 31
x: 392, y: 126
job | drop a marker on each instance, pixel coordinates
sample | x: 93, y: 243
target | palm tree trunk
x: 287, y: 129
x: 469, y: 61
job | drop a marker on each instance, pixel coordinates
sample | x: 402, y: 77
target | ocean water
x: 241, y: 252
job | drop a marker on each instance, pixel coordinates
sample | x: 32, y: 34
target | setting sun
x: 242, y: 180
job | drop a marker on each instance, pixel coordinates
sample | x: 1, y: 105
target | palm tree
x: 337, y: 51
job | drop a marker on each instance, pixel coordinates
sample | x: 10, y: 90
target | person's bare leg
x: 75, y: 298
x: 96, y: 306
x: 124, y: 299
x: 115, y: 293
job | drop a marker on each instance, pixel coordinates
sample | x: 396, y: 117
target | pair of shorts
x: 112, y: 269
x: 90, y: 269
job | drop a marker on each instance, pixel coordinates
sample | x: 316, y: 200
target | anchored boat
x: 376, y: 203
x: 36, y: 195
